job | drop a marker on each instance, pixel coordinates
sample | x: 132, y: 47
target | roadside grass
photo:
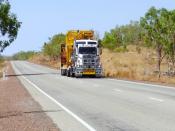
x: 44, y: 60
x: 2, y: 64
x: 135, y: 64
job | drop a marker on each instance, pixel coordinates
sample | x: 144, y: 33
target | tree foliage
x: 9, y: 25
x: 159, y: 32
x: 122, y: 35
x: 52, y: 48
x: 22, y: 55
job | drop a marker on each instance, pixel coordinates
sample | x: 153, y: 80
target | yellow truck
x: 80, y: 55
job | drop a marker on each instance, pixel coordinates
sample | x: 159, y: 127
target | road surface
x: 105, y: 104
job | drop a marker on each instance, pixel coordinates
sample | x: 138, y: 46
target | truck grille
x: 89, y: 61
x: 88, y: 56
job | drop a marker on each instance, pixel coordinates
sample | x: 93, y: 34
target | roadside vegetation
x: 22, y: 55
x: 9, y: 26
x: 2, y: 62
x: 52, y: 47
x: 153, y: 38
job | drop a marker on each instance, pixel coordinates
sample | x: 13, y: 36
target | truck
x: 80, y: 55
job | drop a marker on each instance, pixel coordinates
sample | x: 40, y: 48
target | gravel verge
x: 18, y: 110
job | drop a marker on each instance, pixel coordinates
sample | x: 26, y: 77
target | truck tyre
x: 68, y: 73
x: 62, y: 72
x: 72, y: 74
x: 77, y: 76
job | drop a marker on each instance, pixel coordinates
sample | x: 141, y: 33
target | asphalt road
x: 107, y: 104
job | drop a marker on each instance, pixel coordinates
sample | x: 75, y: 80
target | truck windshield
x: 92, y: 43
x: 88, y: 50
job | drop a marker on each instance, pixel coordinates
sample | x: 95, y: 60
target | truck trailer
x: 80, y: 55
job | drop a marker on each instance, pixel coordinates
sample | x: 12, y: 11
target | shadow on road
x: 30, y: 74
x: 16, y: 113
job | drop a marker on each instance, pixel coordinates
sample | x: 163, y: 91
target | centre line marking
x: 156, y: 99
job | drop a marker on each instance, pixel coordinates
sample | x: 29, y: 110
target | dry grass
x: 2, y: 64
x: 43, y: 60
x: 133, y: 65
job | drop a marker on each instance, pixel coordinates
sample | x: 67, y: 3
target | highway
x: 104, y: 104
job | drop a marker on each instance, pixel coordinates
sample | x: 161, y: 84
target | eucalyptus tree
x: 157, y: 32
x: 52, y: 48
x: 9, y: 25
x: 169, y: 21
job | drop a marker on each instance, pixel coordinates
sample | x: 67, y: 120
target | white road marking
x: 139, y: 83
x: 118, y: 90
x: 156, y: 99
x: 90, y: 128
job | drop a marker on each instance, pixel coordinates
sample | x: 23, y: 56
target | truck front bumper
x: 87, y: 72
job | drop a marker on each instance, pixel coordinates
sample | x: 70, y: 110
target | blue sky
x: 42, y: 19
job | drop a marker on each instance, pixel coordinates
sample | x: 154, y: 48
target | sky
x: 41, y: 19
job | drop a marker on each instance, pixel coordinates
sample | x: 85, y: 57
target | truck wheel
x: 62, y: 72
x: 68, y: 73
x: 77, y: 76
x: 73, y: 74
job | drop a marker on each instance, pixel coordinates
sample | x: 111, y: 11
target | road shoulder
x: 18, y: 110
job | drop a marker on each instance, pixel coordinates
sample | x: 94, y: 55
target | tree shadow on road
x: 30, y: 74
x: 20, y: 113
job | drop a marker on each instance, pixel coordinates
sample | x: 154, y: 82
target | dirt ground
x: 18, y: 110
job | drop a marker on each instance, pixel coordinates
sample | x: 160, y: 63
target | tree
x: 22, y: 55
x: 169, y: 18
x: 52, y: 48
x: 9, y: 25
x: 109, y: 40
x: 123, y: 35
x: 156, y: 31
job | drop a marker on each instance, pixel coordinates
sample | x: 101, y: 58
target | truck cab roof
x: 85, y: 42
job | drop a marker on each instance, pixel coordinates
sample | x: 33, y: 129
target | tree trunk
x: 159, y: 58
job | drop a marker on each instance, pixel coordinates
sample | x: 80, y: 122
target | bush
x: 52, y: 48
x: 24, y: 55
x: 122, y: 36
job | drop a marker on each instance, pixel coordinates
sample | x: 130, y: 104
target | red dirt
x: 18, y: 110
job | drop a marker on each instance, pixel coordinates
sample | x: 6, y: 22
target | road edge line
x: 141, y: 83
x: 90, y: 128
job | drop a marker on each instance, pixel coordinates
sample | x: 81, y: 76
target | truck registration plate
x: 88, y: 72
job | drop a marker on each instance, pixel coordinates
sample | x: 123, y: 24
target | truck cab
x: 86, y: 58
